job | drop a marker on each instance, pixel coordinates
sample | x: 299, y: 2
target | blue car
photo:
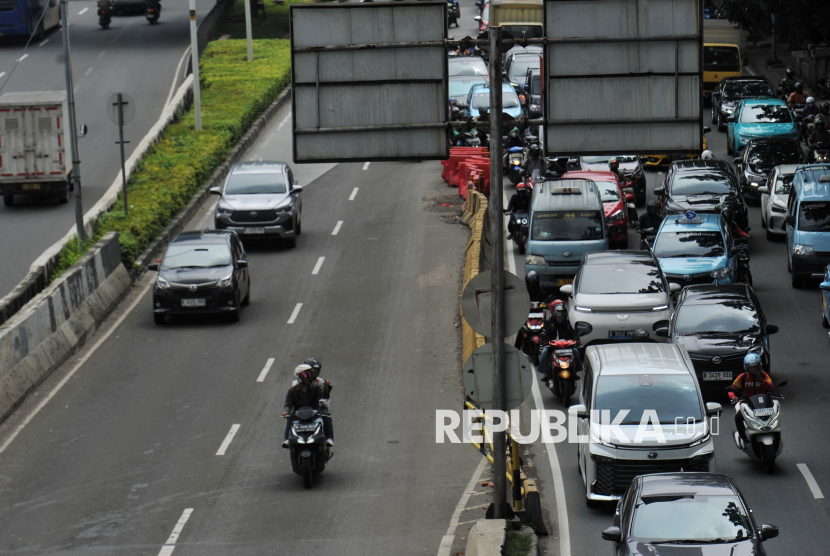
x: 696, y: 249
x: 759, y: 118
x: 479, y: 97
x: 825, y: 299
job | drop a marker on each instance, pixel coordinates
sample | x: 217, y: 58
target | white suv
x: 649, y: 380
x: 620, y: 296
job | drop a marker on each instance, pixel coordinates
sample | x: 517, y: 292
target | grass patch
x: 234, y: 93
x: 275, y: 25
x: 517, y: 544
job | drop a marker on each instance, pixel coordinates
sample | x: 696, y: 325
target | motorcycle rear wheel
x: 564, y: 395
x: 305, y: 467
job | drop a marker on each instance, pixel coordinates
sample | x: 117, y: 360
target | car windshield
x: 689, y: 244
x: 713, y: 183
x: 673, y: 398
x: 468, y: 66
x: 632, y: 276
x: 783, y: 184
x: 773, y: 153
x: 721, y: 58
x: 621, y: 158
x: 253, y: 184
x: 460, y: 88
x: 520, y: 66
x: 734, y: 90
x: 481, y: 98
x: 765, y: 114
x: 609, y: 192
x: 715, y: 519
x: 814, y: 217
x: 563, y: 225
x: 532, y: 31
x: 730, y: 316
x: 203, y: 255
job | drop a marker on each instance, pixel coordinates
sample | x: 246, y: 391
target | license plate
x: 620, y: 334
x: 564, y: 281
x: 305, y: 427
x: 254, y: 230
x: 30, y: 186
x: 717, y: 375
x: 764, y: 411
x: 193, y: 302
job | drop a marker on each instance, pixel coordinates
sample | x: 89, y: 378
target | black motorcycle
x: 647, y: 238
x: 742, y: 252
x: 819, y: 153
x: 307, y: 444
x: 152, y: 15
x: 104, y: 18
x: 530, y: 338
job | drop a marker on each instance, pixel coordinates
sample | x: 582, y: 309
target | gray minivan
x: 566, y: 222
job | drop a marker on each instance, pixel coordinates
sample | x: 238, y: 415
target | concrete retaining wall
x: 41, y: 336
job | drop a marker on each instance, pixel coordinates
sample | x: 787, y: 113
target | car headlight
x: 660, y: 308
x: 803, y: 250
x: 534, y: 260
x: 162, y: 284
x: 285, y: 207
x: 583, y: 309
x: 225, y: 282
x: 779, y: 208
x: 224, y: 211
x: 701, y: 440
x: 596, y: 439
x: 726, y: 109
x: 721, y: 272
x: 535, y: 107
x: 618, y: 216
x: 744, y: 139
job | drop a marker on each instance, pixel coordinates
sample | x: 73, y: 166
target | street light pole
x: 194, y: 60
x: 248, y: 30
x: 75, y: 176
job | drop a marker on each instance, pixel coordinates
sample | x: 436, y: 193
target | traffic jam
x: 670, y: 323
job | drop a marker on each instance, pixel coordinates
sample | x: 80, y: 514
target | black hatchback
x: 700, y: 186
x: 718, y: 324
x: 679, y: 514
x: 760, y: 156
x: 202, y: 272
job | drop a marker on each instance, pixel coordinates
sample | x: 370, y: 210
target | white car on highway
x: 774, y: 197
x: 620, y: 296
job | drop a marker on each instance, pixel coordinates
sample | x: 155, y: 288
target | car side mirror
x: 477, y: 18
x: 772, y: 329
x: 84, y: 128
x: 241, y: 264
x: 763, y: 189
x: 706, y: 129
x: 767, y: 532
x: 736, y: 160
x: 713, y: 408
x: 825, y: 286
x: 567, y: 289
x: 662, y: 331
x: 579, y: 410
x: 675, y: 287
x: 660, y: 190
x: 790, y: 220
x: 153, y: 266
x: 215, y: 190
x: 297, y: 188
x: 612, y: 533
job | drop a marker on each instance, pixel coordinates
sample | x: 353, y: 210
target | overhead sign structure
x: 623, y: 76
x: 369, y: 82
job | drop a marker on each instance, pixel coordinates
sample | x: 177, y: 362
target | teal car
x: 696, y: 249
x: 759, y: 118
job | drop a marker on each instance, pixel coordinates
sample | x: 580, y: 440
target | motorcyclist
x: 534, y: 287
x: 614, y: 166
x: 156, y: 5
x: 824, y: 114
x: 513, y: 140
x: 105, y: 5
x: 819, y: 135
x: 451, y: 13
x: 304, y: 394
x: 558, y: 328
x: 811, y: 109
x: 787, y: 85
x: 325, y: 397
x: 753, y: 381
x: 737, y: 232
x: 519, y: 202
x: 535, y: 161
x: 651, y: 219
x: 797, y: 96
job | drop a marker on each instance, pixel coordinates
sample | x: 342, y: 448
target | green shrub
x: 234, y: 93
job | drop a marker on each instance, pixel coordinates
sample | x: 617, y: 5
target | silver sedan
x: 774, y: 197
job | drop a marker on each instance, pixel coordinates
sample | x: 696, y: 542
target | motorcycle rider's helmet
x: 824, y: 108
x: 799, y: 88
x: 560, y: 315
x: 707, y: 155
x: 614, y: 164
x: 752, y: 363
x: 790, y: 73
x: 304, y: 374
x: 522, y: 188
x: 315, y: 366
x: 652, y: 208
x: 514, y: 132
x: 463, y: 114
x: 810, y: 101
x: 532, y: 281
x: 820, y: 125
x: 534, y: 150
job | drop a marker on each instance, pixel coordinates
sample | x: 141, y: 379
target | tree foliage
x: 801, y: 23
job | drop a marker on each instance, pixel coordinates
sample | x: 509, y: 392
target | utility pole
x: 773, y: 61
x: 121, y: 144
x: 497, y: 284
x: 194, y: 61
x: 75, y: 176
x: 248, y: 31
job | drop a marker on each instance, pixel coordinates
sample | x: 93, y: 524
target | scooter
x: 152, y: 15
x: 761, y: 414
x: 529, y: 338
x: 819, y: 153
x: 307, y: 444
x: 104, y: 18
x: 742, y: 252
x: 562, y: 370
x: 515, y: 155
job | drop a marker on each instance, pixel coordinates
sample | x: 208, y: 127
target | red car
x: 483, y: 19
x: 614, y: 203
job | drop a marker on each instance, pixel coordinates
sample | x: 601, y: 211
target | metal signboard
x: 369, y: 81
x: 477, y: 303
x: 478, y: 377
x: 623, y: 76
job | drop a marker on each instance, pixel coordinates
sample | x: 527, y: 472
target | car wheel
x: 159, y: 318
x: 299, y: 227
x: 789, y: 266
x: 8, y: 200
x: 721, y: 123
x: 729, y: 149
x: 247, y: 300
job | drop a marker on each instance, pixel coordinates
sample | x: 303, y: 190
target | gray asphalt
x: 130, y: 57
x: 111, y: 462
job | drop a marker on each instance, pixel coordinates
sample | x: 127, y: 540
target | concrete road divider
x: 476, y: 208
x: 48, y: 329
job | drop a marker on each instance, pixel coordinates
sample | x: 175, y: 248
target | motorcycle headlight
x: 535, y: 107
x: 721, y: 272
x: 534, y: 260
x: 774, y: 421
x: 524, y: 221
x: 162, y: 284
x: 751, y: 421
x: 618, y: 216
x: 803, y: 250
x: 225, y: 282
x: 564, y: 365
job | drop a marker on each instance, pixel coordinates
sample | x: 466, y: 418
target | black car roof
x: 605, y: 257
x: 758, y: 140
x: 704, y: 484
x: 687, y: 165
x: 206, y: 236
x: 715, y: 292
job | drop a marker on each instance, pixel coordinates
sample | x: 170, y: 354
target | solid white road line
x: 811, y: 482
x: 293, y: 315
x: 556, y: 470
x: 336, y: 228
x: 749, y: 69
x: 318, y: 265
x: 44, y: 42
x: 22, y: 57
x: 366, y: 165
x: 447, y: 540
x: 225, y: 443
x: 167, y: 550
x: 354, y: 194
x: 77, y: 366
x: 82, y: 12
x: 265, y: 369
x: 174, y: 536
x: 175, y: 75
x: 284, y: 121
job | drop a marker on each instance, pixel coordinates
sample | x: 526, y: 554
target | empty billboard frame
x: 623, y: 76
x: 369, y: 81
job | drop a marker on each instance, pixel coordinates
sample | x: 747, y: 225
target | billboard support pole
x: 497, y: 284
x: 75, y: 174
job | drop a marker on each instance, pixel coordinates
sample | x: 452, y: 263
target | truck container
x: 721, y: 53
x: 518, y: 16
x: 34, y: 160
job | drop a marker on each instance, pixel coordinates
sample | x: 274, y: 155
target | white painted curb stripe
x: 811, y: 481
x: 82, y: 12
x: 354, y: 194
x: 318, y: 265
x: 265, y: 369
x: 295, y: 313
x: 366, y: 166
x: 336, y: 228
x: 447, y: 540
x: 225, y: 443
x: 174, y: 536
